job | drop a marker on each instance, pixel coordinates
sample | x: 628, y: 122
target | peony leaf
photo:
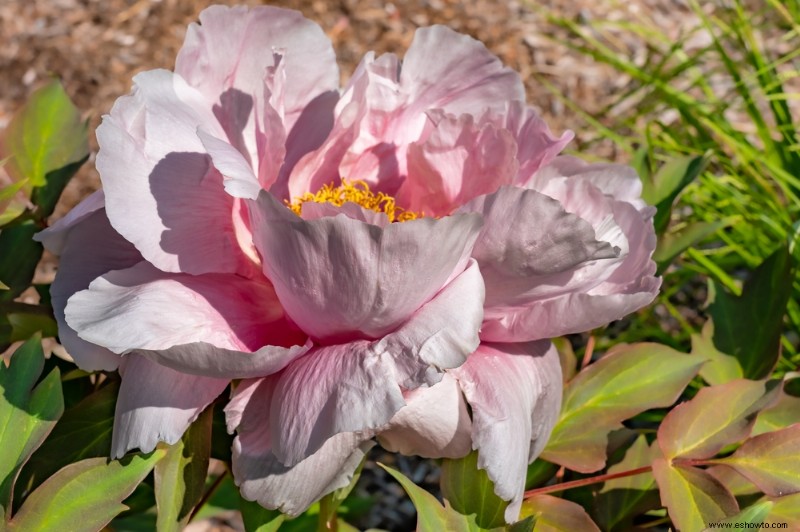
x: 622, y: 498
x: 553, y: 514
x: 84, y: 431
x: 27, y: 413
x: 259, y: 519
x: 567, y: 358
x: 786, y: 510
x: 785, y: 412
x: 628, y: 380
x: 19, y: 255
x: 469, y: 490
x: 431, y: 515
x: 46, y: 134
x: 719, y: 367
x: 771, y: 461
x: 26, y: 324
x: 666, y: 185
x: 180, y: 476
x: 84, y: 496
x: 752, y: 515
x: 763, y: 295
x: 693, y: 497
x: 715, y: 417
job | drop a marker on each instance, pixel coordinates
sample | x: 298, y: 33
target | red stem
x: 586, y: 481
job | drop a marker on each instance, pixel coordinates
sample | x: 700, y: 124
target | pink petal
x: 232, y: 48
x: 355, y: 274
x: 331, y: 390
x: 89, y: 247
x: 239, y: 179
x: 381, y: 113
x: 162, y: 193
x: 144, y: 308
x: 259, y: 474
x: 433, y: 424
x: 358, y: 387
x: 616, y: 180
x: 457, y: 162
x: 514, y: 391
x: 528, y: 242
x: 157, y: 404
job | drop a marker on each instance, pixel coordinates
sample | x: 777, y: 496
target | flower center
x: 357, y: 192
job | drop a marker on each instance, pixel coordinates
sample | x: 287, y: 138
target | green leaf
x: 786, y: 510
x: 567, y: 358
x: 180, y: 476
x: 666, y: 185
x: 258, y: 519
x: 431, y: 515
x: 27, y: 414
x: 771, y: 461
x: 84, y: 496
x: 715, y: 417
x: 693, y: 497
x: 25, y: 325
x: 670, y: 245
x: 753, y: 515
x: 621, y: 499
x: 84, y: 431
x: 4, y: 286
x: 628, y: 380
x: 469, y: 490
x: 755, y: 342
x: 785, y: 412
x: 719, y: 367
x: 19, y: 255
x: 46, y: 196
x: 46, y: 134
x: 553, y: 514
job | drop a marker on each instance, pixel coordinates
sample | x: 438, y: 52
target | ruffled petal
x: 162, y: 193
x: 514, y: 391
x: 89, y: 247
x: 157, y: 404
x: 355, y: 274
x: 263, y: 478
x: 458, y: 161
x: 358, y: 386
x: 144, y: 308
x: 232, y: 48
x: 433, y: 424
x: 529, y: 242
x: 381, y: 112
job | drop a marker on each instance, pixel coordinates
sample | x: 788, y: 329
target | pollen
x: 357, y: 192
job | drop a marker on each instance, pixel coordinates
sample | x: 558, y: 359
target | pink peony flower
x: 369, y: 263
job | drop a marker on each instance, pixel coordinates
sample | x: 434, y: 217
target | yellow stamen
x: 357, y: 192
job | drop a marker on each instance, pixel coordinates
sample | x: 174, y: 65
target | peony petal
x: 616, y: 180
x: 259, y: 474
x: 528, y: 241
x: 358, y: 387
x: 457, y: 162
x: 233, y: 47
x: 331, y: 390
x: 514, y: 391
x: 162, y: 193
x: 356, y: 274
x: 144, y: 308
x: 157, y: 404
x: 89, y: 247
x: 433, y: 424
x: 239, y: 179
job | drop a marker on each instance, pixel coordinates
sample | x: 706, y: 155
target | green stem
x: 207, y: 495
x: 328, y: 521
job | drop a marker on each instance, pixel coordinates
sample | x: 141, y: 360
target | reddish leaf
x: 719, y: 367
x: 785, y: 412
x: 715, y: 417
x: 693, y: 497
x: 771, y: 461
x: 628, y: 380
x: 557, y: 515
x: 786, y: 510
